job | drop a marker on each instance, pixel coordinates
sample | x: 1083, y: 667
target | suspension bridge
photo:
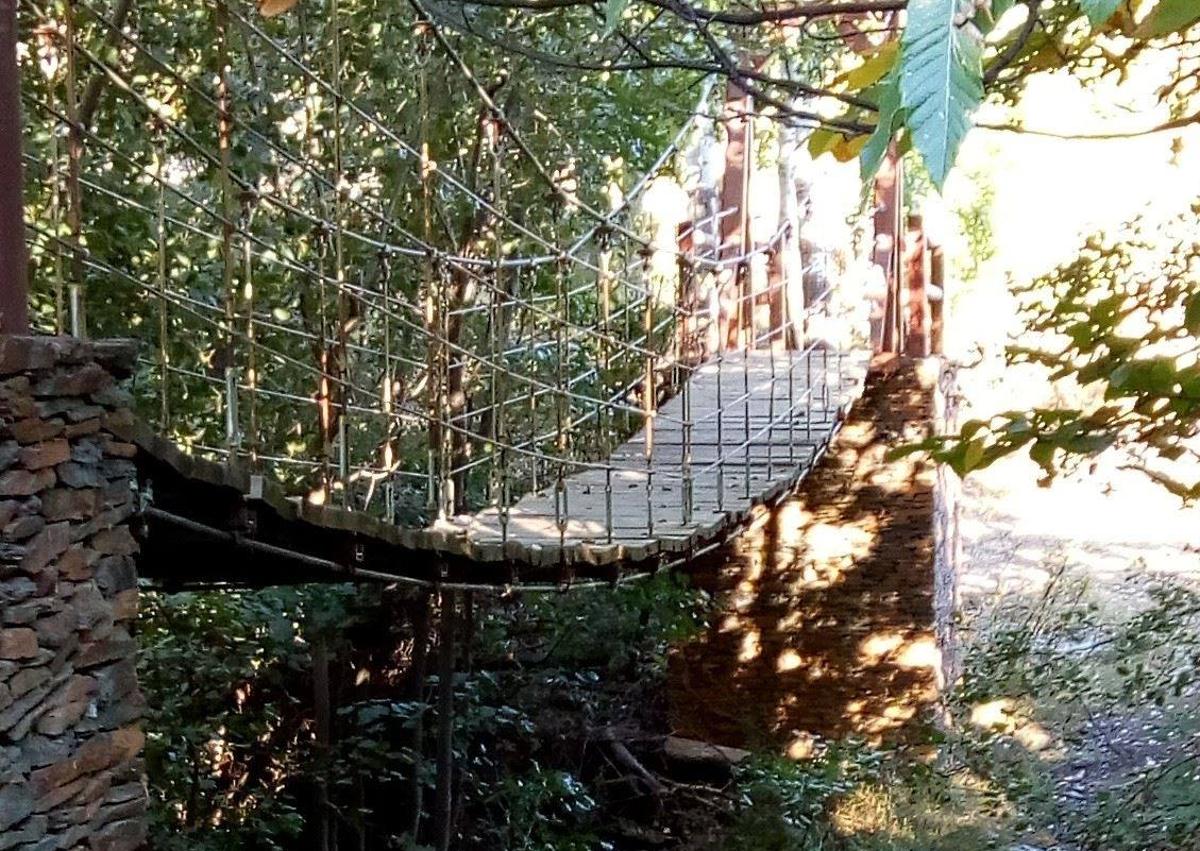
x: 332, y: 296
x: 355, y: 350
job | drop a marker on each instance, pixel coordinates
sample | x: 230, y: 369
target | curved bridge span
x: 360, y: 354
x: 211, y: 522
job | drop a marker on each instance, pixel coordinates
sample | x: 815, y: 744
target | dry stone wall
x: 70, y: 739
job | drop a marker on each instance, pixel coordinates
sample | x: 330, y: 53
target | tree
x: 920, y: 67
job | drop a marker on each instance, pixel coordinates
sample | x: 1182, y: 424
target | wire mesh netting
x: 363, y: 258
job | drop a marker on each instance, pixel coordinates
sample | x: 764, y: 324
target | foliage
x: 922, y: 93
x: 222, y: 728
x: 283, y: 266
x: 1122, y: 319
x: 785, y: 803
x: 233, y: 757
x: 613, y: 630
x: 941, y: 81
x: 539, y: 808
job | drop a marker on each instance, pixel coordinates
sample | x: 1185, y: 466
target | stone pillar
x: 71, y: 774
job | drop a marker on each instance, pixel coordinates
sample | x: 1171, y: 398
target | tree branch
x: 742, y: 18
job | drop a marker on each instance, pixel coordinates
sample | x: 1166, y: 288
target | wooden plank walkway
x: 755, y: 446
x: 238, y: 525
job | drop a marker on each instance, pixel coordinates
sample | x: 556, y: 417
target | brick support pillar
x: 71, y: 774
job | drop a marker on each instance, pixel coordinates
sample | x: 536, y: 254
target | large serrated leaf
x: 941, y: 81
x: 822, y: 141
x: 1099, y: 11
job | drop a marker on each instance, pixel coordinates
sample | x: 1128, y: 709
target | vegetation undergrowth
x: 236, y: 759
x: 1073, y: 727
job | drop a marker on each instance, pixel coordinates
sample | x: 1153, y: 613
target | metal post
x: 14, y: 260
x: 747, y: 343
x: 720, y: 427
x: 164, y: 353
x: 443, y: 801
x: 649, y: 394
x: 808, y: 395
x: 608, y: 503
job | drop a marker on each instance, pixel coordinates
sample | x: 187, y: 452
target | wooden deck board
x: 768, y: 431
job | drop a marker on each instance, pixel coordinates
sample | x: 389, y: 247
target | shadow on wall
x: 825, y: 620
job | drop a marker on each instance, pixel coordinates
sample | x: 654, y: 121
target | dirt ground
x: 1112, y: 534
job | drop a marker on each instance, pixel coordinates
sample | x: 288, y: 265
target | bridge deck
x: 223, y: 522
x: 762, y: 437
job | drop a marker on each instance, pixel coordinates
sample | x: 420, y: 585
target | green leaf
x: 1043, y: 454
x: 1169, y: 16
x: 972, y: 455
x: 822, y: 141
x: 889, y: 109
x: 1191, y: 314
x: 1099, y: 11
x: 941, y: 82
x: 613, y: 9
x: 873, y: 69
x: 1000, y: 7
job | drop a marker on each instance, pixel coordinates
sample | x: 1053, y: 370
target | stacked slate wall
x: 70, y: 741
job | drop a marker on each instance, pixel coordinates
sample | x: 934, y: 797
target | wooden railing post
x: 889, y: 201
x: 916, y: 279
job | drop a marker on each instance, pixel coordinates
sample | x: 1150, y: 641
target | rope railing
x: 324, y: 300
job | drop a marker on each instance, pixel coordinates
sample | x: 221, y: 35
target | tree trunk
x: 444, y: 795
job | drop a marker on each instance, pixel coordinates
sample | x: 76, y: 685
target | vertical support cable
x: 650, y: 391
x: 60, y: 284
x: 562, y: 410
x: 495, y: 352
x: 14, y: 257
x: 445, y: 489
x: 387, y: 452
x: 344, y: 313
x: 771, y: 351
x: 778, y: 341
x: 789, y: 337
x: 251, y: 330
x: 433, y: 319
x: 500, y: 341
x: 825, y: 341
x: 76, y: 301
x: 320, y: 249
x: 604, y: 416
x: 808, y: 393
x: 630, y: 301
x: 531, y: 359
x: 743, y: 271
x: 721, y: 343
x: 683, y: 303
x: 230, y: 214
x: 325, y: 386
x: 164, y: 354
